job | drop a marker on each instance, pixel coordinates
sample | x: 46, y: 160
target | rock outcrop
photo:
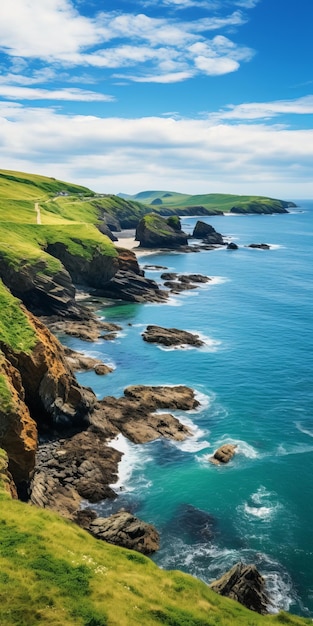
x: 127, y: 285
x: 171, y: 337
x: 89, y: 329
x: 246, y: 585
x: 126, y: 530
x: 154, y: 231
x: 182, y: 282
x: 223, y: 454
x: 260, y: 246
x: 80, y: 362
x: 134, y: 415
x: 43, y: 292
x: 207, y: 233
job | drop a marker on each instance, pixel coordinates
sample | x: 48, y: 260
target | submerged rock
x: 171, y: 336
x: 198, y: 525
x: 246, y: 585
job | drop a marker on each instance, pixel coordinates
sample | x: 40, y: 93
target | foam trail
x: 133, y: 458
x: 304, y: 430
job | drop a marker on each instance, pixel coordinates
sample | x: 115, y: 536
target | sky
x: 194, y: 96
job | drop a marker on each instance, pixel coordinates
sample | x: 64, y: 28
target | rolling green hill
x: 182, y: 203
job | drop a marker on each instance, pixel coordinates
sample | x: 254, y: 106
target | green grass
x: 217, y: 201
x: 15, y: 329
x: 53, y: 573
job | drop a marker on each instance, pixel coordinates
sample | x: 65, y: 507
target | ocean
x: 253, y: 378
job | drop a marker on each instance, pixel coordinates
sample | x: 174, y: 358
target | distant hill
x: 167, y: 202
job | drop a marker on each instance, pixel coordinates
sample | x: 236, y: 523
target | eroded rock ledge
x: 171, y: 337
x: 85, y: 465
x: 246, y: 585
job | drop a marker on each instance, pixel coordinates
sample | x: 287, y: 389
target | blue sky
x: 197, y: 96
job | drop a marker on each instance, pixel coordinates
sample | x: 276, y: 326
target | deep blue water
x: 254, y: 380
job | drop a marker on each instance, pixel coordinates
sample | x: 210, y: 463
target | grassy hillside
x: 216, y: 201
x: 53, y: 573
x: 59, y: 202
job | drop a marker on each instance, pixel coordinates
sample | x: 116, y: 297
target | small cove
x: 254, y: 381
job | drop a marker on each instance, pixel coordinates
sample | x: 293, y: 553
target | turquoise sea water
x: 254, y: 382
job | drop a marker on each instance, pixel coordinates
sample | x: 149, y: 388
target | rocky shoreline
x: 76, y: 464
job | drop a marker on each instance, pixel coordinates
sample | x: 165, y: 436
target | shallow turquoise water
x: 254, y: 380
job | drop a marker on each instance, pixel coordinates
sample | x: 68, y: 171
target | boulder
x: 126, y: 530
x: 207, y: 233
x: 232, y: 246
x: 171, y: 336
x: 223, y: 454
x: 246, y: 585
x: 154, y: 231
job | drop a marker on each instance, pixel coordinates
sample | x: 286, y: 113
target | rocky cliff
x: 154, y: 231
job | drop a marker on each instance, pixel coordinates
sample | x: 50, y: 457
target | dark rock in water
x: 154, y: 267
x: 223, y: 454
x: 169, y: 276
x: 90, y: 329
x: 154, y: 231
x: 177, y: 283
x: 207, y: 233
x: 260, y: 246
x: 246, y: 585
x: 232, y: 246
x: 198, y: 525
x: 126, y: 285
x: 171, y: 336
x: 123, y: 529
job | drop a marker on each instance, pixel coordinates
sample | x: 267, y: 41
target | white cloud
x: 52, y: 28
x: 216, y: 66
x: 70, y: 94
x: 174, y: 77
x: 266, y: 110
x: 53, y: 31
x: 191, y: 155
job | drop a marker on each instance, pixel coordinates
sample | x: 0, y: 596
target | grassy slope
x: 53, y: 573
x: 15, y: 330
x: 219, y: 201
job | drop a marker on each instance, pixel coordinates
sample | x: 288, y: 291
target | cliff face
x: 40, y: 391
x: 41, y: 291
x: 18, y: 434
x: 94, y: 272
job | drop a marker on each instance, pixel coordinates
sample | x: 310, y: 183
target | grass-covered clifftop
x: 54, y: 573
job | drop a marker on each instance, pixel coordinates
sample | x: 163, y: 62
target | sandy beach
x: 128, y: 241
